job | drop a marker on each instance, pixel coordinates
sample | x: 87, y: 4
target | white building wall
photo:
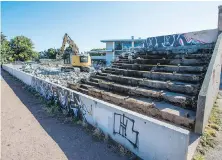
x: 109, y: 54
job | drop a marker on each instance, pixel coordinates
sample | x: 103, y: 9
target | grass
x: 53, y: 109
x: 199, y: 157
x: 97, y: 133
x: 208, y: 139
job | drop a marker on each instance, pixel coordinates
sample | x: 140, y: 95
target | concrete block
x: 209, y: 89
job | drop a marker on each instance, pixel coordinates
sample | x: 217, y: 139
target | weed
x: 215, y: 116
x: 211, y: 132
x: 208, y: 138
x: 123, y: 151
x: 214, y: 126
x: 53, y: 109
x: 79, y: 122
x: 97, y: 133
x: 198, y: 157
x: 106, y: 138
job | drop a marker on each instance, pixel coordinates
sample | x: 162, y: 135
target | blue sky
x: 89, y: 22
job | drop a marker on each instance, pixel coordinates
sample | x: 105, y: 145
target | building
x: 115, y: 47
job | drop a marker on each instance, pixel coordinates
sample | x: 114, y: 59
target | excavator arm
x: 67, y: 39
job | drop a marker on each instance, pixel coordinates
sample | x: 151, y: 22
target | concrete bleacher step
x: 180, y: 87
x: 159, y: 68
x: 160, y: 84
x: 170, y: 56
x: 178, y: 99
x: 147, y: 106
x: 182, y: 62
x: 192, y: 78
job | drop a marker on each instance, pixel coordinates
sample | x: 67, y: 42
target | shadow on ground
x: 75, y: 142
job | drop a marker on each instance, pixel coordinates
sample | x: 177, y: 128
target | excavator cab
x: 82, y: 61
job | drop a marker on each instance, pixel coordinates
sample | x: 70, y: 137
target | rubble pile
x: 54, y: 74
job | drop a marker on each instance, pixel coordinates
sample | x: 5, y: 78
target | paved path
x: 28, y: 133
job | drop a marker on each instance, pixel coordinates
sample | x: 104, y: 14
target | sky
x: 45, y: 23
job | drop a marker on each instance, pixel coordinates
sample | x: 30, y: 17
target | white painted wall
x: 109, y: 45
x: 109, y: 54
x: 147, y: 137
x: 210, y: 88
x: 109, y: 58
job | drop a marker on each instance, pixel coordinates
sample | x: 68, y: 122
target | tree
x: 22, y: 48
x: 52, y: 52
x: 97, y: 49
x: 3, y: 37
x: 6, y: 52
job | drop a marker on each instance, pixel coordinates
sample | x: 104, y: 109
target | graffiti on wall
x: 77, y: 103
x: 67, y: 100
x: 124, y: 126
x: 185, y: 39
x: 72, y: 102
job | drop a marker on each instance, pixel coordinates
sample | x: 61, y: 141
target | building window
x: 138, y: 44
x: 118, y: 46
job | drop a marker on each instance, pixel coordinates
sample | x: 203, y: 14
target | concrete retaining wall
x: 210, y: 88
x: 183, y: 39
x: 148, y: 138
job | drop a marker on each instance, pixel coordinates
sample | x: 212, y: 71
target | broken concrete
x: 54, y: 74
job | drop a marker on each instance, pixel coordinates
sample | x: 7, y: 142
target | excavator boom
x: 72, y: 44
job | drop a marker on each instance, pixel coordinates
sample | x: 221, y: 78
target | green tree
x: 3, y: 37
x: 6, y: 52
x: 22, y: 49
x: 97, y: 49
x: 51, y: 53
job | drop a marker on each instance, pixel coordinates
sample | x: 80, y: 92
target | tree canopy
x: 18, y: 48
x: 5, y: 49
x: 22, y: 48
x: 51, y: 53
x: 97, y: 49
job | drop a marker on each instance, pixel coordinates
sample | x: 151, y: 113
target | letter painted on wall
x: 184, y: 39
x: 124, y: 126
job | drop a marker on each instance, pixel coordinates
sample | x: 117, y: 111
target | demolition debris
x: 54, y: 74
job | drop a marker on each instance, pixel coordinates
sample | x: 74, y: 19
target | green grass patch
x: 198, y: 157
x: 208, y: 139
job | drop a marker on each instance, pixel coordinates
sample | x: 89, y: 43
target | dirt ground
x: 216, y: 153
x: 29, y: 133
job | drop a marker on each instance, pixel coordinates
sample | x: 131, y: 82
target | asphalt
x: 29, y: 133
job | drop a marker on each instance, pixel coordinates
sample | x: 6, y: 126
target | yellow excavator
x: 75, y: 59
